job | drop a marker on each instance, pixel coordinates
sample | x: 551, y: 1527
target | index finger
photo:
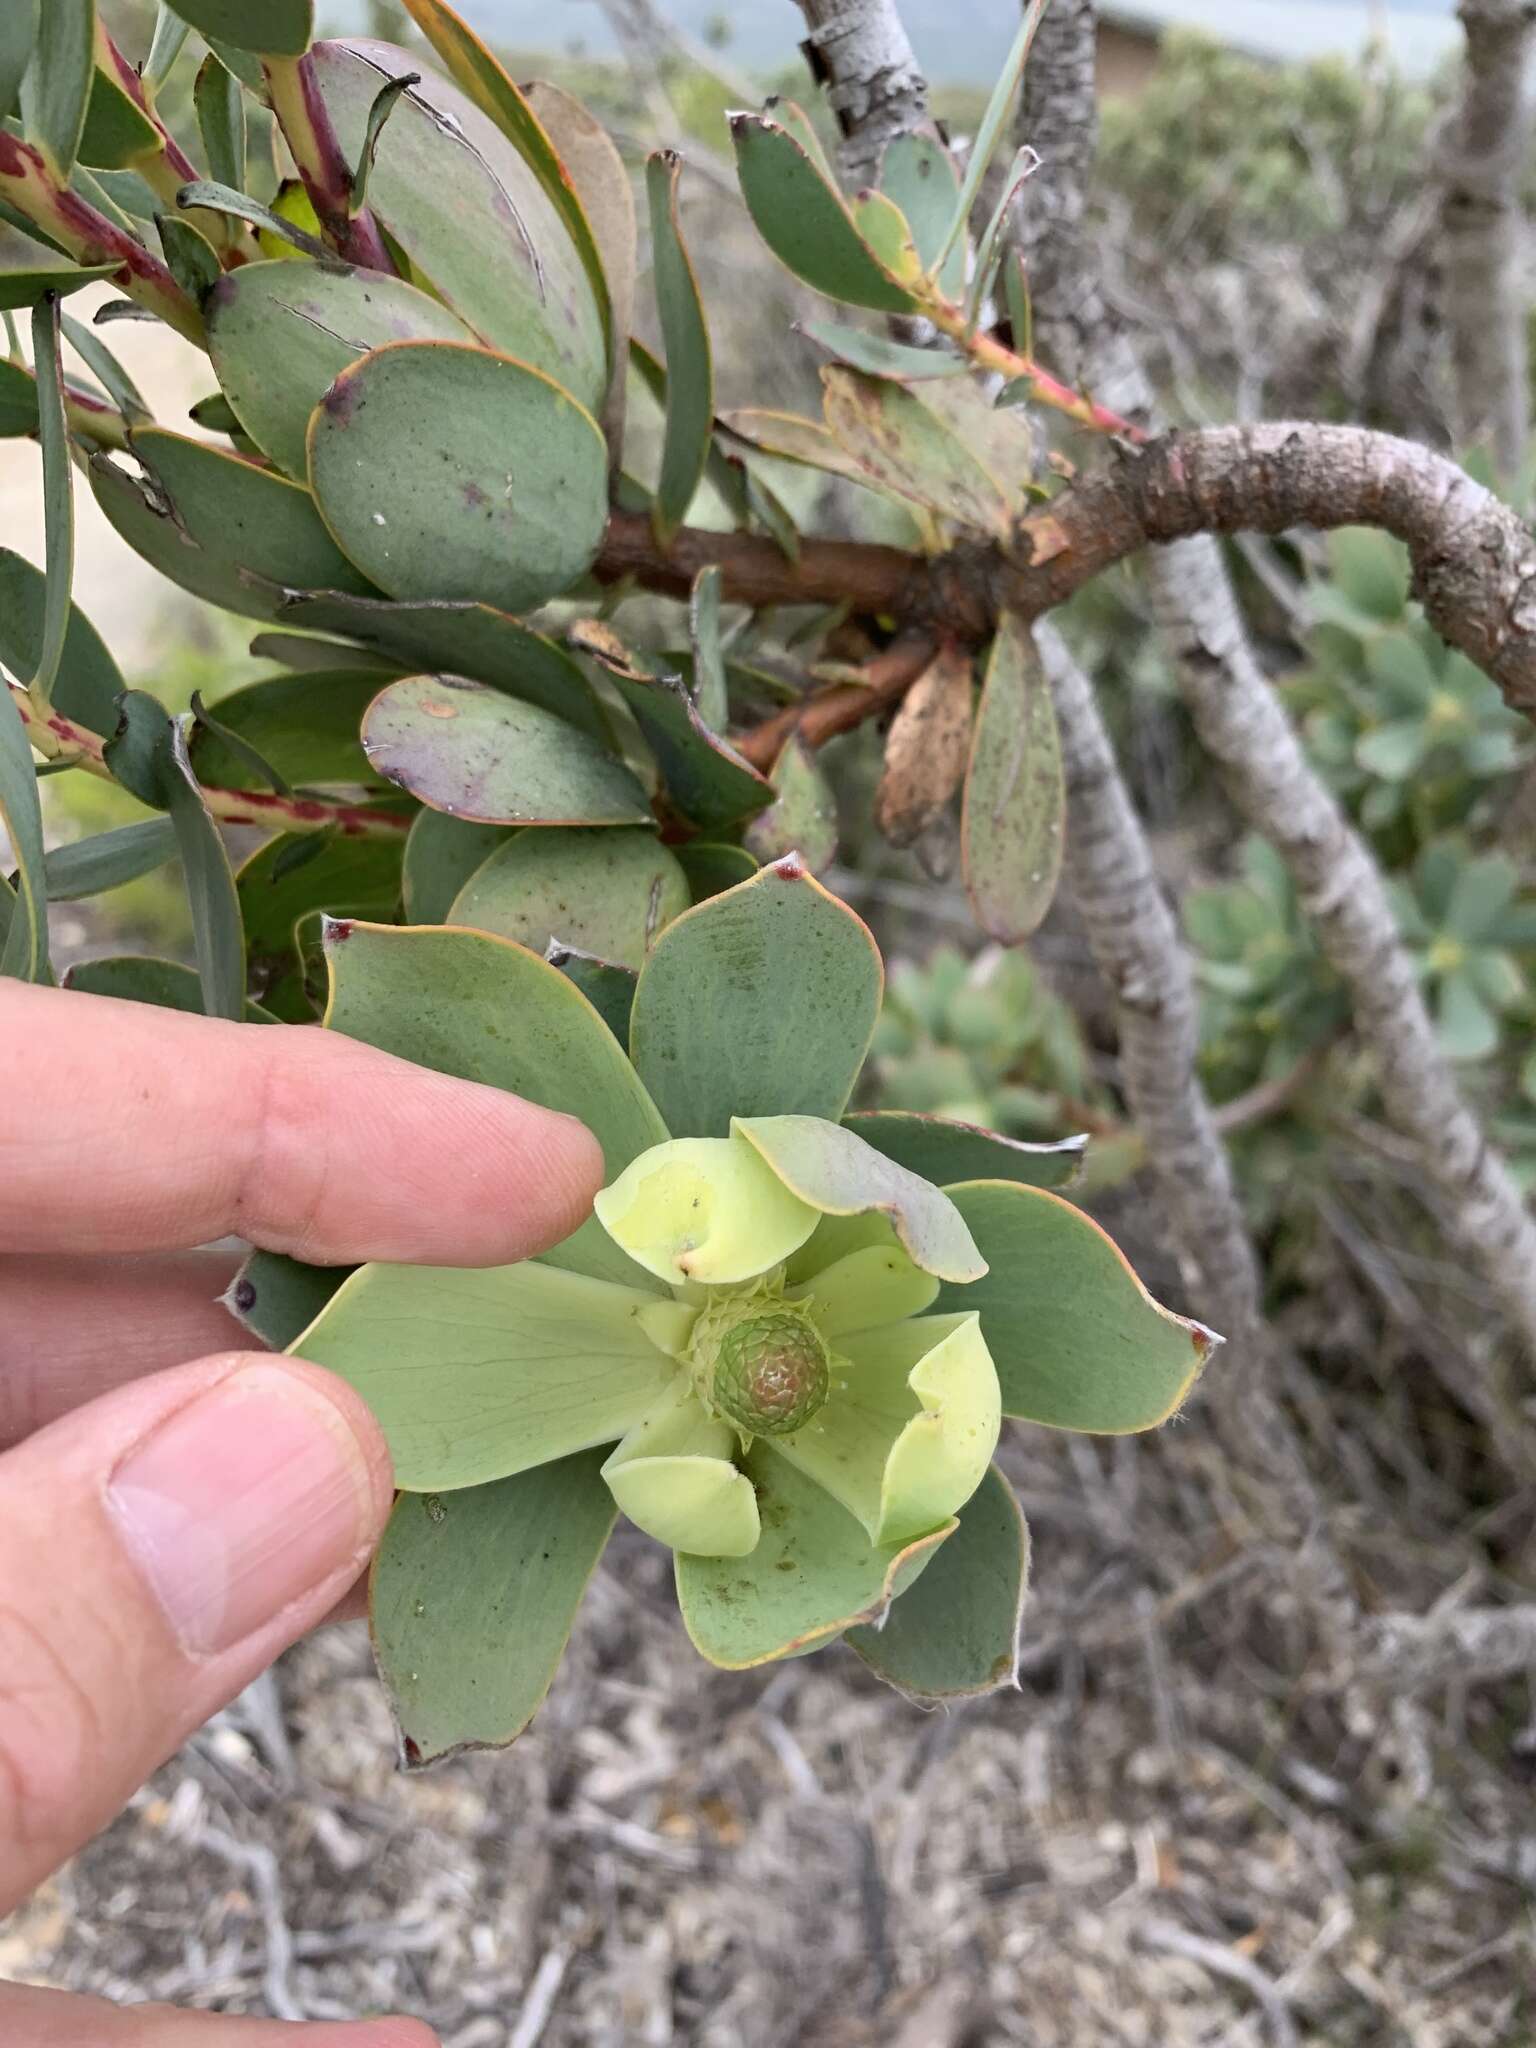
x: 127, y: 1128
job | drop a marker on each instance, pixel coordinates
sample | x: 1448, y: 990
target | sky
x: 963, y: 42
x: 957, y: 41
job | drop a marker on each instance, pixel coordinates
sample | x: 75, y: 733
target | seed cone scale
x: 772, y: 1374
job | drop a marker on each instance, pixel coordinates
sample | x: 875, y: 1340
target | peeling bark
x: 1474, y: 569
x: 858, y: 50
x: 1138, y: 949
x: 1480, y: 228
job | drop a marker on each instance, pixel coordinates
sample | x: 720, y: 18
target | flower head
x: 797, y: 1322
x: 782, y: 1344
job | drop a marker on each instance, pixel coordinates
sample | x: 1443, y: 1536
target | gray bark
x: 1481, y: 225
x: 858, y: 49
x: 1235, y: 712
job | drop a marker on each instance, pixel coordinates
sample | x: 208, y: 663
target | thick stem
x: 1474, y: 560
x: 306, y: 125
x: 1481, y: 226
x: 30, y: 187
x: 1138, y: 950
x: 58, y: 738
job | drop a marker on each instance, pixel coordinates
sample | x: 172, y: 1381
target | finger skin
x: 141, y: 1129
x: 97, y: 1687
x: 31, y: 2018
x: 72, y: 1329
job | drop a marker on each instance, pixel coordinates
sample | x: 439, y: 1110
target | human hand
x: 166, y: 1527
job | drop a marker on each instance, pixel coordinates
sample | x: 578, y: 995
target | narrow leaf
x: 249, y: 757
x: 24, y: 945
x: 217, y: 935
x: 993, y: 121
x: 220, y: 102
x: 135, y: 750
x: 1013, y: 820
x: 165, y: 47
x: 57, y: 87
x: 89, y: 867
x: 115, y: 380
x: 709, y: 684
x: 58, y: 498
x: 190, y: 259
x: 18, y: 30
x: 690, y: 374
x: 879, y: 355
x: 992, y: 251
x: 383, y: 106
x: 219, y: 198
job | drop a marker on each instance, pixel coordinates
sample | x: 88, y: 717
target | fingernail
x: 241, y: 1503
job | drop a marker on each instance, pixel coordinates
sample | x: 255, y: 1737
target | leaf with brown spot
x: 904, y: 445
x: 1013, y: 823
x: 926, y: 748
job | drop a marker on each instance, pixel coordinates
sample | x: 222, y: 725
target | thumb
x: 157, y: 1550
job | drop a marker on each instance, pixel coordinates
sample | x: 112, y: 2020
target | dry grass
x: 1184, y: 1829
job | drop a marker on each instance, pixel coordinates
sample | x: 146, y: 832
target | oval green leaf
x: 472, y: 1599
x: 468, y: 750
x: 956, y: 1632
x: 441, y: 853
x: 290, y: 882
x: 813, y: 1574
x: 449, y: 472
x: 237, y: 536
x: 833, y: 1169
x: 758, y: 1002
x: 608, y: 894
x: 805, y: 221
x: 89, y: 681
x: 476, y: 1373
x: 803, y: 815
x: 1077, y: 1340
x: 470, y: 215
x: 1013, y: 819
x: 903, y: 446
x: 476, y: 71
x: 280, y: 333
x: 462, y: 639
x: 487, y: 1010
x: 306, y: 727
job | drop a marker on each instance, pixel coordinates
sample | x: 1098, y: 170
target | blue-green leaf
x: 217, y: 934
x: 57, y: 87
x: 690, y: 375
x: 24, y: 946
x: 58, y: 498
